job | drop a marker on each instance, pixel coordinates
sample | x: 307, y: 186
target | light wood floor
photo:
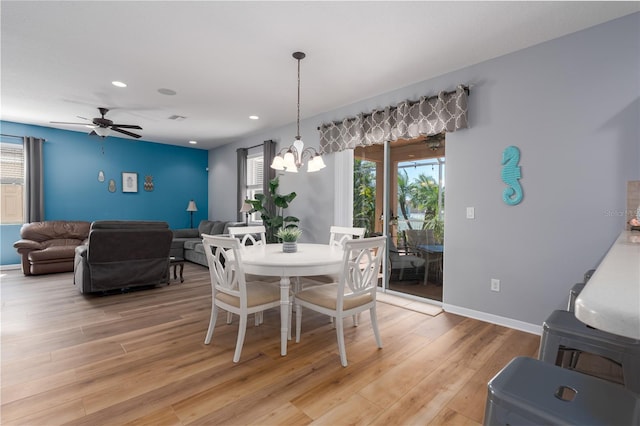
x: 138, y: 358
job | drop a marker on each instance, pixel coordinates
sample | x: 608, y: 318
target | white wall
x: 571, y: 105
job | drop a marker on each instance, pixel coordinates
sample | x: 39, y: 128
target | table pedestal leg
x: 284, y: 314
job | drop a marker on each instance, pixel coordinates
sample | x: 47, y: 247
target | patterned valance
x: 446, y: 112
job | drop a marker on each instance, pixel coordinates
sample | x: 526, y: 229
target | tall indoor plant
x: 274, y: 220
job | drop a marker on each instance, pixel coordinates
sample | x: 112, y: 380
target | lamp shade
x: 278, y: 163
x: 246, y: 207
x: 289, y: 163
x: 315, y: 164
x: 192, y: 206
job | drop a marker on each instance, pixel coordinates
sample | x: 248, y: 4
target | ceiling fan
x: 101, y: 125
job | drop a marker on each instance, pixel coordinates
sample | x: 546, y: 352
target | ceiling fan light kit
x: 101, y: 131
x: 103, y: 126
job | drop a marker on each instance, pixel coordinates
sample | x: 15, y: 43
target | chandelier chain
x: 298, y: 106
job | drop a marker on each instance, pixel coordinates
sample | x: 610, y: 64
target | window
x: 12, y: 183
x: 255, y: 167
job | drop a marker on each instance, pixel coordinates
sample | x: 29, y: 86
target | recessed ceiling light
x: 254, y: 117
x: 119, y: 84
x: 167, y: 92
x: 193, y: 142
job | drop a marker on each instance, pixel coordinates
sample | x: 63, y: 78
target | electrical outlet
x: 471, y: 213
x: 495, y: 284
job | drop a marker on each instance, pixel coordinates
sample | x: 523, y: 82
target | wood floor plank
x: 138, y: 358
x: 449, y: 417
x: 356, y: 410
x: 286, y: 414
x: 470, y: 400
x: 397, y: 381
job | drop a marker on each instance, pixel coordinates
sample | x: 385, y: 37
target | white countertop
x: 611, y: 299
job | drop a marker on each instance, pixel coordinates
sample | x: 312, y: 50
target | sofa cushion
x: 185, y: 233
x: 191, y: 244
x: 205, y: 227
x: 43, y: 231
x: 199, y: 248
x: 61, y: 242
x: 53, y: 253
x: 218, y: 227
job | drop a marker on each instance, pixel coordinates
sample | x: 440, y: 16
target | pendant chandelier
x: 290, y: 159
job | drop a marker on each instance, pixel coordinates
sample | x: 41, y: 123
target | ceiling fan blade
x: 127, y: 126
x: 133, y: 135
x: 64, y: 122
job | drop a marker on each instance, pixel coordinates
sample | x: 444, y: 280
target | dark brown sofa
x: 49, y: 247
x: 123, y: 254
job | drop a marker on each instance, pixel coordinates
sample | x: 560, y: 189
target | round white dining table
x: 310, y: 259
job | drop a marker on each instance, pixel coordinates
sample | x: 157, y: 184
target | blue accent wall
x: 72, y: 161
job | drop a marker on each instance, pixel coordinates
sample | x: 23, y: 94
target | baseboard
x: 10, y: 267
x: 494, y: 319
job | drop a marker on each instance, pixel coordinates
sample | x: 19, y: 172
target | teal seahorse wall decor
x: 511, y: 175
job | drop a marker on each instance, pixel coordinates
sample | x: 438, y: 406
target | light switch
x: 471, y: 213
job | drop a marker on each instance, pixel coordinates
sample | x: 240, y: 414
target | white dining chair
x: 354, y: 292
x: 229, y: 289
x: 248, y: 234
x: 339, y: 234
x: 337, y: 237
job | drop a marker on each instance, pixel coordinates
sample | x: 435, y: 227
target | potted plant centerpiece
x: 289, y: 237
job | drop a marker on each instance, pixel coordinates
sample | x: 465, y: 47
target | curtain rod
x: 10, y: 136
x: 17, y: 137
x: 465, y: 88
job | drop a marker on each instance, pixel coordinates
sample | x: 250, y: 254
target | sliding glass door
x: 414, y: 203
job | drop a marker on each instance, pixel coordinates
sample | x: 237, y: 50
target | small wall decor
x: 129, y: 182
x: 511, y: 175
x: 112, y: 185
x: 100, y: 176
x: 148, y: 183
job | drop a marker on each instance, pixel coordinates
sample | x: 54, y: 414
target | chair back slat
x: 248, y: 234
x: 361, y: 267
x: 338, y: 235
x: 227, y: 274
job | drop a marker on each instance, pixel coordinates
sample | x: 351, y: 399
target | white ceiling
x: 229, y: 60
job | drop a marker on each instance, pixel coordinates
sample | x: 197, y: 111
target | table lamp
x: 246, y: 208
x: 192, y: 208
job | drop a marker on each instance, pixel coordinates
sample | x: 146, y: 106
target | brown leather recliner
x: 123, y: 254
x: 49, y: 247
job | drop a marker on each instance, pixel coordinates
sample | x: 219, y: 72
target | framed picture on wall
x: 129, y: 182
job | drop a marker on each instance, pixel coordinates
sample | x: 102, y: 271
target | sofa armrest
x: 185, y: 233
x: 81, y: 250
x: 24, y: 246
